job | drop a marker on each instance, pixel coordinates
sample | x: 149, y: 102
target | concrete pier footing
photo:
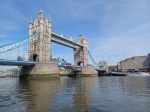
x: 40, y: 70
x: 45, y: 70
x: 86, y: 71
x: 89, y: 70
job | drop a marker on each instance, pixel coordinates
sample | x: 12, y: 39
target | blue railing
x: 15, y: 62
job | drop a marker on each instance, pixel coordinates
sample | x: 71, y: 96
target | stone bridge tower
x: 39, y: 51
x: 81, y: 53
x: 39, y: 47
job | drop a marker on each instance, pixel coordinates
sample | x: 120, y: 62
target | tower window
x: 35, y: 46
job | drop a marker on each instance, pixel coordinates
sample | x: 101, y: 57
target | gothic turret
x: 30, y: 26
x: 40, y: 16
x: 39, y: 47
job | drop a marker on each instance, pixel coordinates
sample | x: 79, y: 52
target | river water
x: 82, y: 94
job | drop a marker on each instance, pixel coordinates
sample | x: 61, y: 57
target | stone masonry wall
x: 89, y: 70
x: 138, y: 62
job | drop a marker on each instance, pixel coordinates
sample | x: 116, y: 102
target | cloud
x: 3, y: 36
x: 133, y: 42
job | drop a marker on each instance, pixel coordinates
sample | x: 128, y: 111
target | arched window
x: 34, y: 46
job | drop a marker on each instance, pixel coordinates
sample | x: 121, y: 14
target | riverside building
x: 140, y: 63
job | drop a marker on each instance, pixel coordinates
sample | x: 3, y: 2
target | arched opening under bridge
x: 80, y: 64
x: 34, y: 58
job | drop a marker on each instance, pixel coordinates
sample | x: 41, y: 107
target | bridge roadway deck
x: 28, y: 63
x: 15, y: 62
x: 24, y: 63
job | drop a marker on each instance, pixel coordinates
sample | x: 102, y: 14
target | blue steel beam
x: 95, y: 65
x: 8, y: 47
x: 55, y: 38
x: 15, y: 62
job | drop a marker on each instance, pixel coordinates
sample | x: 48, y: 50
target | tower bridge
x: 39, y: 50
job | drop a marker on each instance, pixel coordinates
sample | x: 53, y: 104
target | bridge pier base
x: 86, y: 71
x: 89, y: 71
x: 42, y: 70
x: 102, y: 73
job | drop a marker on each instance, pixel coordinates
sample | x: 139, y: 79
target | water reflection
x: 73, y: 95
x: 134, y: 85
x: 27, y: 95
x: 103, y: 94
x: 38, y: 94
x: 124, y: 93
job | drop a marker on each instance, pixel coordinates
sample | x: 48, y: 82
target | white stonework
x: 39, y: 47
x: 81, y: 54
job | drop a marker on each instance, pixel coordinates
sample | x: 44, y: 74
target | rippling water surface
x: 85, y: 94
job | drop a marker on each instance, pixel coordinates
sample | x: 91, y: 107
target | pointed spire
x: 49, y: 17
x: 40, y: 14
x: 80, y: 34
x: 31, y: 19
x: 80, y: 38
x: 41, y: 10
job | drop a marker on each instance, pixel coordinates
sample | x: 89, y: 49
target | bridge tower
x: 39, y: 47
x: 81, y: 53
x: 39, y: 51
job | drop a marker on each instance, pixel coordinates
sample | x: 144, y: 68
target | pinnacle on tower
x: 30, y: 20
x: 40, y: 16
x: 49, y: 17
x: 41, y: 10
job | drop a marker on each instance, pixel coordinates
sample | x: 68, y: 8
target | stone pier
x: 88, y: 71
x: 40, y: 70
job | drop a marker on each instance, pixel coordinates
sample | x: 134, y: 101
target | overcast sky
x: 115, y: 29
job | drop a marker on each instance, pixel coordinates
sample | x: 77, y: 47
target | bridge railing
x: 6, y: 60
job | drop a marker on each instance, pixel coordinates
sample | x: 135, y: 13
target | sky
x: 115, y: 29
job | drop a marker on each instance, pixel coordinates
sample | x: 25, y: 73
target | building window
x: 34, y: 46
